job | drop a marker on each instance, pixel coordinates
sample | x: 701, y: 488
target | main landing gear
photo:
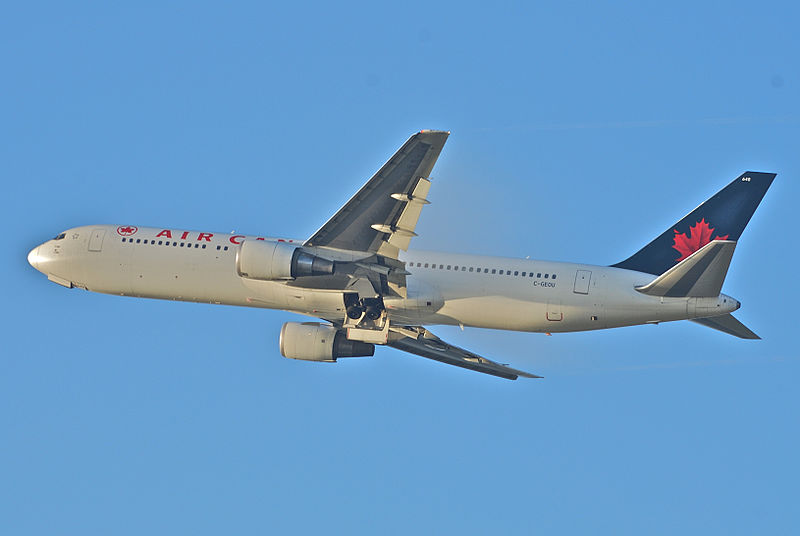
x: 368, y: 308
x: 367, y: 319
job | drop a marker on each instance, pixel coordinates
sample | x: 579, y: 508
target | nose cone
x: 33, y: 257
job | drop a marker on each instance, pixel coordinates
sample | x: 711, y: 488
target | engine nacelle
x: 270, y: 261
x: 312, y: 341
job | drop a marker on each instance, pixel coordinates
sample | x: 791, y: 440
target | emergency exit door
x: 582, y: 280
x: 96, y: 240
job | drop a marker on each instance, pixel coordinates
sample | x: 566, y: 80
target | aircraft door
x: 96, y: 240
x: 582, y: 280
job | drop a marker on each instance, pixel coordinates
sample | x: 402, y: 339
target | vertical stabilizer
x: 723, y: 217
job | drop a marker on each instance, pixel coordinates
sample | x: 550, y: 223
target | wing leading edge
x: 432, y: 347
x: 383, y: 214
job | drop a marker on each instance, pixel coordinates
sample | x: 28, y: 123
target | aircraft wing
x: 382, y: 216
x: 429, y: 345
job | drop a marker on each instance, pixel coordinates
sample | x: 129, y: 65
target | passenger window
x: 539, y: 274
x: 226, y: 248
x: 517, y: 273
x: 448, y: 266
x: 123, y: 239
x: 204, y: 246
x: 494, y: 270
x: 464, y: 268
x: 441, y: 266
x: 426, y: 265
x: 546, y: 276
x: 554, y: 276
x: 174, y: 244
x: 524, y: 274
x: 218, y: 248
x: 470, y: 268
x: 160, y: 242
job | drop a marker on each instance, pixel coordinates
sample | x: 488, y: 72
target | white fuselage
x: 443, y: 288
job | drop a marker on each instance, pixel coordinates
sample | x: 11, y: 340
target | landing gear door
x: 96, y: 240
x: 582, y: 280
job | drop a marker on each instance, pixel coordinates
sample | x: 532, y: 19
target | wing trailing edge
x: 428, y: 345
x: 382, y: 215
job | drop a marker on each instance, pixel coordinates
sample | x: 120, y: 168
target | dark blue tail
x: 722, y: 217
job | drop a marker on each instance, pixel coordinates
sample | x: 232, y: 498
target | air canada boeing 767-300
x: 358, y: 275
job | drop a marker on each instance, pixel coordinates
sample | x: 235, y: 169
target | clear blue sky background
x: 579, y: 132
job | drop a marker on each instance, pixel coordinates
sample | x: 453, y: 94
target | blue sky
x: 580, y: 131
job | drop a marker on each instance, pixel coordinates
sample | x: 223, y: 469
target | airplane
x: 358, y: 276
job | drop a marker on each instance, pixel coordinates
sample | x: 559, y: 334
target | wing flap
x: 432, y: 347
x: 402, y: 233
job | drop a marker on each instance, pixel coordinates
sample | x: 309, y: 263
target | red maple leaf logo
x: 699, y: 235
x: 127, y: 231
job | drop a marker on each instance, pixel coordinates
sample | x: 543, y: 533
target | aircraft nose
x: 33, y: 257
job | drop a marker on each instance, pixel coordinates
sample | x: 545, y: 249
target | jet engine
x: 312, y: 341
x: 269, y: 261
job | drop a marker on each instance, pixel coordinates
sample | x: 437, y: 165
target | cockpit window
x: 60, y: 237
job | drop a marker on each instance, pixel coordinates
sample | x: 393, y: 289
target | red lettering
x: 260, y: 238
x: 166, y: 233
x: 205, y: 236
x: 184, y: 235
x: 234, y: 237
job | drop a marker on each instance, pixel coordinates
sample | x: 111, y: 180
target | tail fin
x: 723, y: 217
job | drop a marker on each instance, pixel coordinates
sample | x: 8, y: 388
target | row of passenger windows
x: 485, y: 270
x: 167, y: 243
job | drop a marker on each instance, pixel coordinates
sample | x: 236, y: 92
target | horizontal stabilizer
x: 727, y: 324
x: 699, y: 276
